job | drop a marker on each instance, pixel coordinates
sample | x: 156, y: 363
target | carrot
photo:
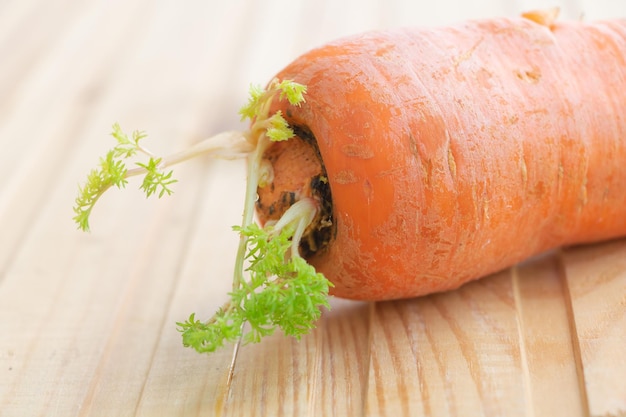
x: 442, y: 155
x: 399, y: 163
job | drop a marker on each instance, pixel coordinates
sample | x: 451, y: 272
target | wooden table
x: 87, y: 321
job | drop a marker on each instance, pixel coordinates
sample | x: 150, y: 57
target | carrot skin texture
x: 455, y: 152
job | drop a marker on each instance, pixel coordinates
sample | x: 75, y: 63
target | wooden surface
x: 87, y: 321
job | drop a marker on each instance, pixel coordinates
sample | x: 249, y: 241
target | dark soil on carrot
x: 282, y: 192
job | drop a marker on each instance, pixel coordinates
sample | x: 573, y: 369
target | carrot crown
x: 273, y: 285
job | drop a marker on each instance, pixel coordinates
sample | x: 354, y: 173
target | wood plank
x: 28, y: 48
x: 81, y: 281
x: 180, y: 381
x: 596, y: 278
x: 47, y: 288
x: 61, y: 99
x: 448, y: 354
x: 323, y: 374
x: 550, y: 354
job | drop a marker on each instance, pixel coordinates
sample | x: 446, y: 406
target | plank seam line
x: 519, y: 318
x: 367, y: 361
x: 575, y: 340
x: 315, y: 384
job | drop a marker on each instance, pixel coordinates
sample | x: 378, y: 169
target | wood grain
x: 87, y: 321
x: 596, y: 276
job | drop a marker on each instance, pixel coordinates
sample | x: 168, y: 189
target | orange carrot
x: 441, y: 155
x: 395, y: 164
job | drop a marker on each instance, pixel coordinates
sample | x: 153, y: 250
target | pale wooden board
x: 87, y: 321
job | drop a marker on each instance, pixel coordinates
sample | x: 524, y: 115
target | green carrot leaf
x: 281, y: 292
x: 251, y: 109
x: 293, y: 91
x: 156, y: 181
x: 278, y: 128
x: 126, y: 147
x: 112, y: 171
x: 259, y: 99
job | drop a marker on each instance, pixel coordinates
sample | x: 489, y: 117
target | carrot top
x: 273, y: 286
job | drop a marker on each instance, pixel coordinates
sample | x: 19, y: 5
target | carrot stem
x: 254, y: 164
x: 225, y: 145
x: 300, y: 215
